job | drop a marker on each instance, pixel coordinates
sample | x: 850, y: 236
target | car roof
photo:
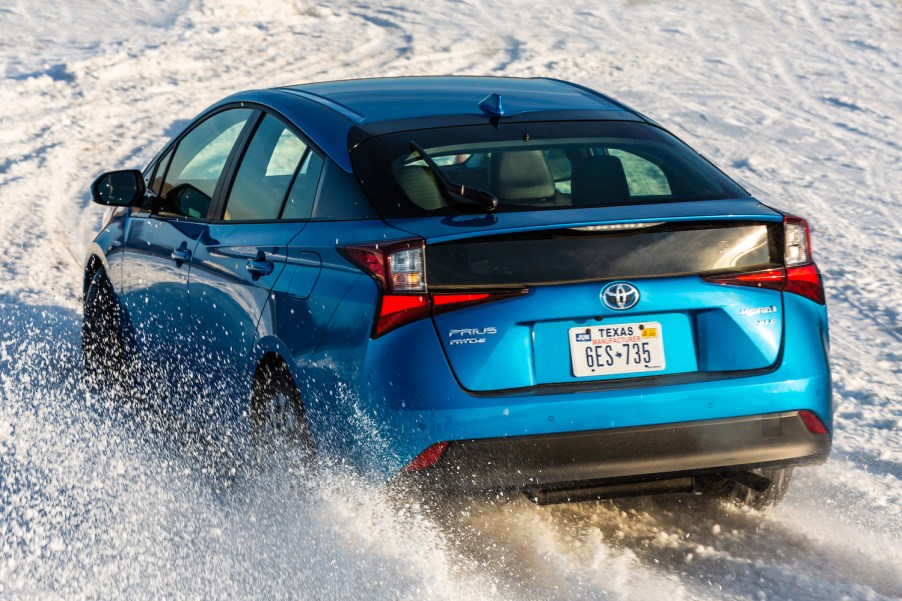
x: 338, y: 115
x: 399, y: 98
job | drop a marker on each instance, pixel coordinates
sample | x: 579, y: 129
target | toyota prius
x: 467, y: 283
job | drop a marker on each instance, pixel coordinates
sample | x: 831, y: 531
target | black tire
x: 101, y: 336
x: 279, y: 432
x: 746, y: 496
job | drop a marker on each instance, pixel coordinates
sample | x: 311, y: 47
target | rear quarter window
x: 340, y: 197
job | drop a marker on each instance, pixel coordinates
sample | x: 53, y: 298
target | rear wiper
x: 457, y: 194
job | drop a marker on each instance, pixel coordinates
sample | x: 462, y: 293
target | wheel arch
x: 96, y: 261
x: 273, y: 353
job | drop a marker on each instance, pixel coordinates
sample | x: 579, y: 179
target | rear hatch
x: 589, y: 300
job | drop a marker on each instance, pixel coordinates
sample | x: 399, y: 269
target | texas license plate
x: 624, y: 348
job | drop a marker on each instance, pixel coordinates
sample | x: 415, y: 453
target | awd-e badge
x: 470, y: 335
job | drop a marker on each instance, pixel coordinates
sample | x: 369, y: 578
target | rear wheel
x: 755, y: 494
x: 101, y: 339
x: 279, y: 432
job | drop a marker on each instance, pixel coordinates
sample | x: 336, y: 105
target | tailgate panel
x: 525, y: 340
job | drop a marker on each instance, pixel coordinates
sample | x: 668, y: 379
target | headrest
x: 420, y: 186
x: 521, y: 175
x: 599, y: 181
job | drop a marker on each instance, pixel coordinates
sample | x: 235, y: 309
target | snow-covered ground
x: 801, y: 101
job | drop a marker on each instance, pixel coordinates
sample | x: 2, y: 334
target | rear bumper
x: 626, y: 454
x: 405, y: 398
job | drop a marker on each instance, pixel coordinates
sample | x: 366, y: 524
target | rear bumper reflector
x: 812, y: 422
x: 427, y: 458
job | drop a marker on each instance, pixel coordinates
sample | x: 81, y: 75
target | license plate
x: 624, y: 348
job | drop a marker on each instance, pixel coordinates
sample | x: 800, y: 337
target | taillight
x: 796, y: 241
x: 407, y: 270
x: 397, y: 310
x: 770, y: 278
x: 397, y: 266
x: 442, y: 303
x: 800, y: 276
x: 805, y: 281
x: 399, y: 269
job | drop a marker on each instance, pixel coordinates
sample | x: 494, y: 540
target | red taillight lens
x: 800, y: 276
x: 397, y: 310
x: 371, y: 259
x: 442, y: 303
x: 805, y: 281
x: 771, y: 278
x: 427, y: 458
x: 445, y: 300
x: 812, y: 422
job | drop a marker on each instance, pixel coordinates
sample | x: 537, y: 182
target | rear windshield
x: 537, y: 166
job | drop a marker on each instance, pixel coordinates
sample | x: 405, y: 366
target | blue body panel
x: 226, y: 302
x: 413, y: 404
x: 388, y: 99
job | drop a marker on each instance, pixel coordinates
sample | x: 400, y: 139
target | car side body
x: 435, y: 339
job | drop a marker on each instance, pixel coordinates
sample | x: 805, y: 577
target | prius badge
x: 619, y: 296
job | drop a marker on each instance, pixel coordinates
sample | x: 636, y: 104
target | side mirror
x: 118, y: 188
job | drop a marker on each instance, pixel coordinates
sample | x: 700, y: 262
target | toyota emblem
x: 619, y: 296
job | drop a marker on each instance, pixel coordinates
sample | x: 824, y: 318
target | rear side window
x: 198, y: 162
x: 266, y: 172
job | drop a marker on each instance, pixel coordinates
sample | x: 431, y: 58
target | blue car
x: 467, y: 283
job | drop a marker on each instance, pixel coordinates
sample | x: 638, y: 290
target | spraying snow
x: 799, y: 101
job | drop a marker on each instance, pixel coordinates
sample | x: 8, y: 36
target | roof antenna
x: 492, y: 106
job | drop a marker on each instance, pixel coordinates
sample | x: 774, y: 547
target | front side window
x: 157, y: 184
x: 198, y: 162
x: 267, y: 170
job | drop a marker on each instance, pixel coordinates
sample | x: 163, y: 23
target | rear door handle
x: 181, y: 255
x: 259, y: 266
